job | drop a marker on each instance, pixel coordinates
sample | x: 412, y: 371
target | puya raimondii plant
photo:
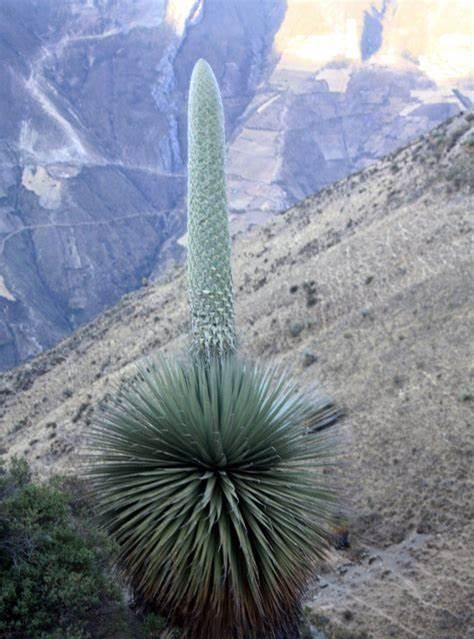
x: 209, y: 249
x: 210, y: 470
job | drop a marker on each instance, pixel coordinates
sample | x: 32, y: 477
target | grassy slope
x: 376, y: 273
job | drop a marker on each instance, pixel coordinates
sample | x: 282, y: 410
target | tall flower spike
x: 211, y: 470
x: 209, y: 248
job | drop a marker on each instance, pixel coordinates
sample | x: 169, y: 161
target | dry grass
x: 376, y: 271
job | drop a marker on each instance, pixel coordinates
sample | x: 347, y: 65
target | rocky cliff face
x: 93, y: 133
x: 354, y: 80
x: 92, y: 147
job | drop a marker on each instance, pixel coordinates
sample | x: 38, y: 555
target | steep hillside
x: 93, y: 128
x: 93, y: 151
x: 366, y: 287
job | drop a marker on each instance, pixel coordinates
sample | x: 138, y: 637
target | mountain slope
x: 93, y: 147
x: 93, y: 128
x: 366, y: 287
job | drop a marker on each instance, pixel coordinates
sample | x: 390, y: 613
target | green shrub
x: 153, y: 626
x: 53, y: 579
x: 461, y: 172
x: 469, y: 141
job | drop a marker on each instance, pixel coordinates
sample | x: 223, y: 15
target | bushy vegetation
x: 54, y: 570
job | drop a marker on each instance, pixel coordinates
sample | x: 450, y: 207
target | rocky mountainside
x: 92, y: 147
x: 93, y: 131
x: 366, y: 287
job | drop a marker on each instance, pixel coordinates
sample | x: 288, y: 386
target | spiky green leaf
x: 214, y: 489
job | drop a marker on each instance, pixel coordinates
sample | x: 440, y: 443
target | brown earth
x: 366, y: 287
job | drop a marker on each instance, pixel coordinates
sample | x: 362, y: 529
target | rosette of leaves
x: 211, y: 469
x: 212, y: 485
